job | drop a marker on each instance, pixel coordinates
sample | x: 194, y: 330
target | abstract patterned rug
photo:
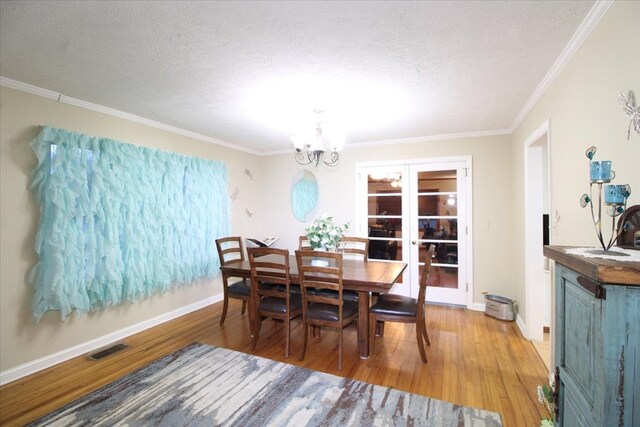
x: 201, y: 385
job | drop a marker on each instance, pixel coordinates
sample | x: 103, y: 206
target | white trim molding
x: 588, y: 24
x: 417, y: 139
x: 522, y: 327
x: 45, y: 362
x: 59, y: 97
x: 477, y: 306
x: 536, y: 148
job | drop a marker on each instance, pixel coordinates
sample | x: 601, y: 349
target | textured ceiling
x: 250, y: 73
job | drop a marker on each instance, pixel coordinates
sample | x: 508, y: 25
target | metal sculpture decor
x: 630, y: 108
x: 615, y: 200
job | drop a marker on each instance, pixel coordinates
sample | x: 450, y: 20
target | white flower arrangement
x: 324, y: 234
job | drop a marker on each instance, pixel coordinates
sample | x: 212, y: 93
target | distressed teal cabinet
x: 597, y: 340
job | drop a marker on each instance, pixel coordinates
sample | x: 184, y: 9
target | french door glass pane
x: 438, y: 228
x: 443, y: 277
x: 446, y: 253
x: 437, y: 181
x: 386, y: 249
x: 385, y: 227
x: 384, y: 183
x: 438, y: 205
x: 384, y: 205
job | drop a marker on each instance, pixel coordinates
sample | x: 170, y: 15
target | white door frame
x: 533, y: 198
x: 468, y: 160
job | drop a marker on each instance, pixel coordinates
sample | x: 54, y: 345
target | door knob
x: 413, y: 242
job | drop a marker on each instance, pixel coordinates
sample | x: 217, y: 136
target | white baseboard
x: 522, y: 326
x: 48, y: 361
x: 476, y: 306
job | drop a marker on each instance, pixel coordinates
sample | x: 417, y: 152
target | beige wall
x: 20, y: 116
x: 583, y: 110
x: 581, y: 106
x: 492, y: 199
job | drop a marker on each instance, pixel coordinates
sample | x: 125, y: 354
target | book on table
x: 263, y: 243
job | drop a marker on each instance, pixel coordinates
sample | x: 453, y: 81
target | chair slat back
x: 354, y: 247
x: 320, y: 277
x: 424, y: 277
x: 273, y: 270
x: 230, y: 249
x: 304, y: 244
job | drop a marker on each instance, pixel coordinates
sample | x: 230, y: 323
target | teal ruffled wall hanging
x: 119, y: 222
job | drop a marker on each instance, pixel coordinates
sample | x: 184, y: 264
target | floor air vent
x: 101, y: 354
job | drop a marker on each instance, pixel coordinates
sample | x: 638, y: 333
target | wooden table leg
x: 363, y: 324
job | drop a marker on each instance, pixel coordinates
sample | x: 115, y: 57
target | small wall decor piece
x: 304, y: 195
x: 615, y: 200
x: 632, y: 110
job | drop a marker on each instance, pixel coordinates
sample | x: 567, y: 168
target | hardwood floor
x: 474, y: 360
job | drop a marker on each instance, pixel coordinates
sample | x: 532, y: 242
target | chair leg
x: 340, y: 332
x: 256, y: 333
x: 426, y: 335
x: 244, y: 306
x: 287, y: 331
x: 380, y: 328
x: 419, y: 334
x: 305, y: 332
x: 315, y: 333
x: 225, y: 306
x: 372, y: 333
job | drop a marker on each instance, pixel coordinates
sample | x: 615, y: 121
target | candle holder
x: 615, y: 201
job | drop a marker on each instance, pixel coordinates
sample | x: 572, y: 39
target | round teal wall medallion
x: 304, y: 195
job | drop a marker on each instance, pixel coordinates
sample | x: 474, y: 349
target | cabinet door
x: 578, y: 322
x: 571, y: 412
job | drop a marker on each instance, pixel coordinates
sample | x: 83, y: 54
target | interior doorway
x: 537, y: 233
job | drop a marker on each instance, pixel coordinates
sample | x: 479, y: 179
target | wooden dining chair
x: 275, y: 302
x: 398, y: 308
x: 230, y: 249
x: 354, y: 247
x: 304, y: 244
x: 351, y: 248
x: 323, y: 310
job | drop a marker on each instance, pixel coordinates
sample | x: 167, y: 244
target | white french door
x: 403, y: 208
x: 438, y: 216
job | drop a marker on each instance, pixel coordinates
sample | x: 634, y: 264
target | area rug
x: 201, y: 385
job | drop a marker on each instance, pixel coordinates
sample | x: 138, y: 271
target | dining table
x: 363, y: 277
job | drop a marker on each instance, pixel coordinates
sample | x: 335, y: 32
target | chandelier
x: 319, y: 144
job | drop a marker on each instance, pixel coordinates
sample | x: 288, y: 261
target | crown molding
x: 427, y: 138
x: 34, y: 90
x: 588, y: 24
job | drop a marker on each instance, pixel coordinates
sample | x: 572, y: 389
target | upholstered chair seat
x: 346, y: 295
x: 241, y: 287
x: 329, y: 313
x: 279, y: 305
x: 395, y: 305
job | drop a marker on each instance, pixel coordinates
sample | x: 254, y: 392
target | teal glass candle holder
x: 615, y: 200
